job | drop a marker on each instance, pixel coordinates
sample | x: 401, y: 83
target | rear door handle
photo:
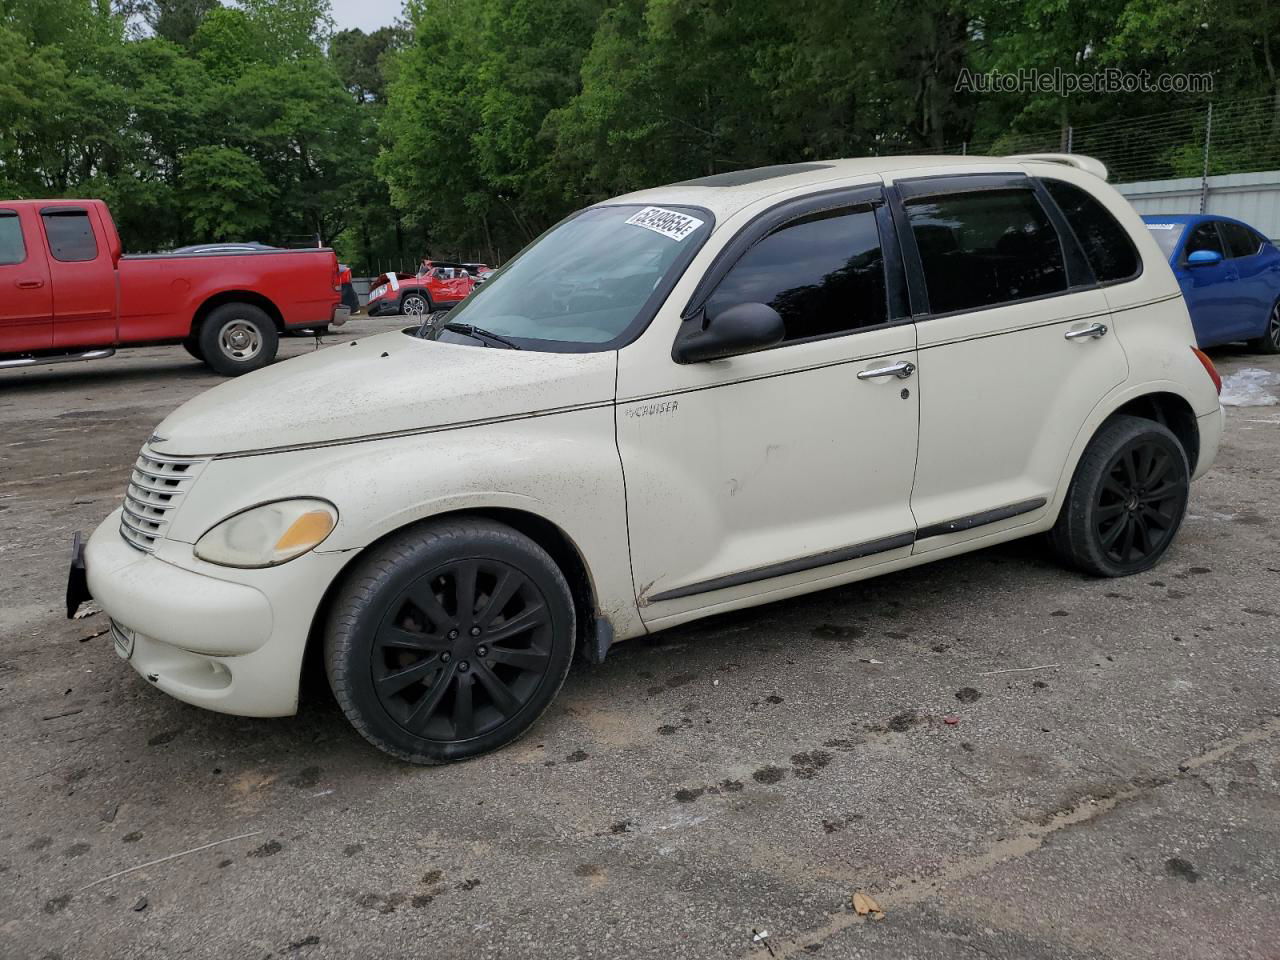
x: 1091, y: 332
x: 29, y: 284
x: 902, y: 369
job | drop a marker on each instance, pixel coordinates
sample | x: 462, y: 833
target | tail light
x: 1209, y: 368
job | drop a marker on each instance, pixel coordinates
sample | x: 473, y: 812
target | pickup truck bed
x: 67, y: 292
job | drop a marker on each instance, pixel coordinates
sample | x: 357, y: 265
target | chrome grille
x: 154, y: 492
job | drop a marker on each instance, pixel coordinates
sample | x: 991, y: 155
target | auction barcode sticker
x: 1162, y: 226
x: 677, y: 226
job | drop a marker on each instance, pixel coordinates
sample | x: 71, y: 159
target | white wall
x: 1251, y: 197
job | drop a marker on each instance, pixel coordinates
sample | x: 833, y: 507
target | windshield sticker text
x: 1161, y: 226
x: 670, y: 224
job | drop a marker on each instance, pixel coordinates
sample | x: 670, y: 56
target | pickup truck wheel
x: 192, y: 346
x: 236, y: 338
x: 1126, y: 500
x: 449, y: 640
x: 415, y: 305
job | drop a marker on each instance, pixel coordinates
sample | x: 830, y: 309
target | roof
x: 726, y: 193
x: 1174, y: 217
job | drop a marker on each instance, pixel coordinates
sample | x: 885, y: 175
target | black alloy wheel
x: 462, y: 650
x: 1139, y: 503
x: 1126, y: 500
x: 449, y: 639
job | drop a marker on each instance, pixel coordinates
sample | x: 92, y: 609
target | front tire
x: 236, y: 338
x: 1126, y: 500
x: 449, y: 640
x: 1269, y: 342
x: 192, y: 346
x: 416, y: 305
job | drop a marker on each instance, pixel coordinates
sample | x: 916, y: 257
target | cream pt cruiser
x: 683, y: 401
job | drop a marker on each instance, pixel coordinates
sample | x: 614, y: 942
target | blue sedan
x: 1229, y: 274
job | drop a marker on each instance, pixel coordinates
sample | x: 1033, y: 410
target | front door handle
x: 29, y: 284
x: 902, y: 369
x: 1091, y: 332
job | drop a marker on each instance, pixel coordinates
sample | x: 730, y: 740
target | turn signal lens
x: 268, y: 535
x: 1208, y: 368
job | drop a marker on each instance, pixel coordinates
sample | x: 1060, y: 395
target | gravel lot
x: 748, y: 772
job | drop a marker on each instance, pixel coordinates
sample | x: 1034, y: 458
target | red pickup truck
x: 67, y: 293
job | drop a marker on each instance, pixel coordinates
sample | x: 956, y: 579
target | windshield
x: 589, y: 279
x: 1166, y: 234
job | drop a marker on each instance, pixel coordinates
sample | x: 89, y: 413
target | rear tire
x: 236, y: 338
x: 1126, y: 500
x: 1269, y: 342
x: 192, y: 346
x: 449, y: 640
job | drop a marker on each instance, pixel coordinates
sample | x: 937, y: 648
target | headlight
x: 268, y: 535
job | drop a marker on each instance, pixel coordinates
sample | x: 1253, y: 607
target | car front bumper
x: 225, y: 639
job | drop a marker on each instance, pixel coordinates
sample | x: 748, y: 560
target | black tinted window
x: 1241, y: 241
x: 12, y: 249
x: 984, y: 248
x: 70, y: 236
x: 1105, y: 242
x: 823, y: 273
x: 1203, y: 236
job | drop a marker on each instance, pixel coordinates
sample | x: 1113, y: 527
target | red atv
x: 439, y: 285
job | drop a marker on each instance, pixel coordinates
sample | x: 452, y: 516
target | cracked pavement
x: 747, y: 772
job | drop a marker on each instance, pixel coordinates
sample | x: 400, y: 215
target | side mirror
x: 1203, y: 258
x: 744, y: 328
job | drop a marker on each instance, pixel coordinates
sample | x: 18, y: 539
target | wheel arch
x: 1170, y: 410
x: 547, y: 534
x: 251, y: 297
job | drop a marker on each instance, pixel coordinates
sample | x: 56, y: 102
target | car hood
x: 379, y: 386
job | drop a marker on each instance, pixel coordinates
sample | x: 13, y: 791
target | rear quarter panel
x: 1149, y: 318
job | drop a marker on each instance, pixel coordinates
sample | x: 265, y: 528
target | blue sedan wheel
x: 1269, y: 342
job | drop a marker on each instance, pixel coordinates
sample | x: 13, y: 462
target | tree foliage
x: 473, y: 125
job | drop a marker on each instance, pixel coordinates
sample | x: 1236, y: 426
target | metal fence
x: 1236, y: 136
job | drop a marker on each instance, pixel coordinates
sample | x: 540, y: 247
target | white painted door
x: 1004, y: 385
x: 778, y: 468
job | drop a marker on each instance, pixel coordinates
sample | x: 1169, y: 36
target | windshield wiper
x: 480, y: 333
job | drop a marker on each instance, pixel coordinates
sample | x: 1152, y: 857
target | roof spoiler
x: 1077, y: 160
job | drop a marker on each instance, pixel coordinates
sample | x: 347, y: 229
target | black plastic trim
x: 773, y: 570
x: 1080, y: 274
x: 980, y: 519
x: 915, y: 187
x: 917, y: 292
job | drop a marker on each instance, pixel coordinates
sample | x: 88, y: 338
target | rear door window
x: 1240, y: 240
x: 1203, y: 236
x: 70, y: 235
x: 823, y: 273
x: 1105, y: 243
x: 985, y: 247
x: 12, y: 249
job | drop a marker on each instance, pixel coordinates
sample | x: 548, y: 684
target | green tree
x: 226, y: 194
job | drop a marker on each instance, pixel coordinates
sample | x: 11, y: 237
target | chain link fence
x: 1237, y: 136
